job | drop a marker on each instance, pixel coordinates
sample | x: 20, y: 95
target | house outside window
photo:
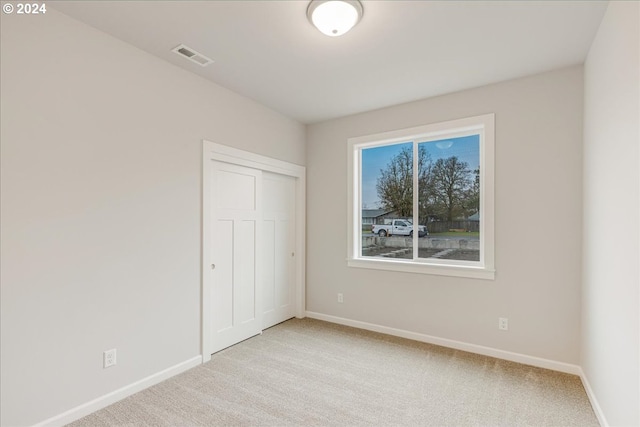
x: 376, y: 216
x: 432, y: 192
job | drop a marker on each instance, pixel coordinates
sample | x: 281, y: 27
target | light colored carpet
x: 306, y: 372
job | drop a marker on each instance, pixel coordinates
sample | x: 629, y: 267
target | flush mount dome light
x: 334, y: 17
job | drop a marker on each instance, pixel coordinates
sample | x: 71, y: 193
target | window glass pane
x: 449, y: 198
x: 386, y: 199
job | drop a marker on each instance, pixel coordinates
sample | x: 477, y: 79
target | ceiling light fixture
x: 334, y: 17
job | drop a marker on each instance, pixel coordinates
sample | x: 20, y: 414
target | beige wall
x: 610, y: 304
x: 538, y: 224
x: 101, y: 182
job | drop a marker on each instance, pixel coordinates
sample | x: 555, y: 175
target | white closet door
x: 278, y: 231
x: 236, y: 225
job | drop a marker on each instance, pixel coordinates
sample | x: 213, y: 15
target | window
x: 435, y: 185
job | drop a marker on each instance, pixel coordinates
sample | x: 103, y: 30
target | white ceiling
x: 401, y: 50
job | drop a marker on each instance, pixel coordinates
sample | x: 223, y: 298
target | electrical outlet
x: 109, y: 358
x: 503, y: 323
x: 340, y: 298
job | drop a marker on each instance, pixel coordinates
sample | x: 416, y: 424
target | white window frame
x: 484, y: 126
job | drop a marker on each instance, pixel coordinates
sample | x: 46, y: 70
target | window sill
x: 423, y: 268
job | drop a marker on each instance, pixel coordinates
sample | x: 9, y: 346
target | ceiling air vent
x: 192, y: 55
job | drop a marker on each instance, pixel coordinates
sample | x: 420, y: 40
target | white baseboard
x: 458, y: 345
x: 110, y: 398
x: 592, y: 398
